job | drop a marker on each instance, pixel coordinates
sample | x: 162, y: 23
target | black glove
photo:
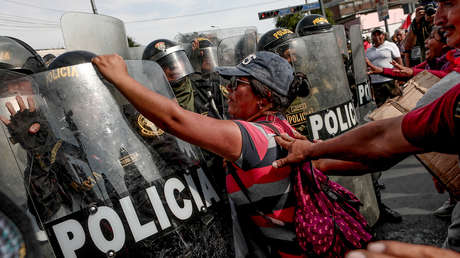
x: 38, y: 143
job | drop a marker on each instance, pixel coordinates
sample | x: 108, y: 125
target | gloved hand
x: 29, y: 127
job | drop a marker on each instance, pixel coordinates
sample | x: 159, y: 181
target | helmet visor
x: 176, y: 66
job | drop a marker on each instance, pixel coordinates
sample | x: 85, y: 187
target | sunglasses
x: 234, y: 82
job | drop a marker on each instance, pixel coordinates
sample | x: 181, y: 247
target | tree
x: 288, y: 21
x: 132, y: 43
x: 329, y: 15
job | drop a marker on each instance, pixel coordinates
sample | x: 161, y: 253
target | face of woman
x: 433, y: 46
x: 448, y: 17
x: 242, y: 102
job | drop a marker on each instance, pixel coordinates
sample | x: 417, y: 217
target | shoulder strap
x: 246, y: 194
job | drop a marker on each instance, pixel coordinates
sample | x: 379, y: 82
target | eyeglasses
x: 234, y: 82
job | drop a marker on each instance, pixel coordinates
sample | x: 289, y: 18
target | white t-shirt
x: 382, y: 57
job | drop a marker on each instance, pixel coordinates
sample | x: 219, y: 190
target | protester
x: 436, y: 61
x: 383, y: 143
x: 419, y: 31
x: 382, y: 53
x: 398, y: 39
x: 261, y: 86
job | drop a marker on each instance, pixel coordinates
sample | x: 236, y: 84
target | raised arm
x: 222, y: 137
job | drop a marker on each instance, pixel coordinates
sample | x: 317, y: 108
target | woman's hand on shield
x: 112, y: 67
x: 388, y: 249
x: 34, y: 127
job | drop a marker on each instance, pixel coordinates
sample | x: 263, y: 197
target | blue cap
x: 266, y: 67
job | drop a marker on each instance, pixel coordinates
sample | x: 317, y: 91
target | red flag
x: 407, y: 22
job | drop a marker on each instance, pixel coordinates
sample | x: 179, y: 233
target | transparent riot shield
x: 96, y: 33
x: 16, y: 151
x: 135, y: 53
x: 204, y: 60
x: 341, y: 36
x: 329, y: 110
x: 14, y: 157
x: 231, y: 51
x: 364, y: 99
x: 119, y: 184
x: 216, y: 35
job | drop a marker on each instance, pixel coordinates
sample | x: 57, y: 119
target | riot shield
x: 124, y: 187
x: 96, y: 33
x: 341, y: 37
x: 231, y: 51
x: 14, y: 157
x: 329, y: 110
x: 364, y: 100
x: 135, y: 53
x: 204, y: 60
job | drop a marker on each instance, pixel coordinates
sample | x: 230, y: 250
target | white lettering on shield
x: 71, y: 236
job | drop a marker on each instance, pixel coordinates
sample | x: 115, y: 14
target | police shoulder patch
x: 147, y: 128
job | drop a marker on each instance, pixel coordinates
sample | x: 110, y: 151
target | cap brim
x: 230, y: 71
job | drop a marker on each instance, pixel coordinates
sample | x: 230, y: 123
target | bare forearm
x: 373, y: 144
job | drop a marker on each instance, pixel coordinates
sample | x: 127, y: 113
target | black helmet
x: 71, y: 58
x: 273, y: 38
x: 171, y: 57
x: 48, y: 58
x: 311, y: 24
x: 156, y: 47
x: 18, y: 56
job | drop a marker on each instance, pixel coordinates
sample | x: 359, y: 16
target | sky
x: 37, y: 22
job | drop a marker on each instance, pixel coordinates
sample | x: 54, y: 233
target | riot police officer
x: 209, y: 96
x: 176, y: 66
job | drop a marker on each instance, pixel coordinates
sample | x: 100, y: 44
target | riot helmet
x: 279, y: 41
x: 312, y: 24
x: 171, y: 57
x: 273, y: 38
x: 204, y: 55
x: 48, y: 58
x: 71, y: 58
x: 16, y: 55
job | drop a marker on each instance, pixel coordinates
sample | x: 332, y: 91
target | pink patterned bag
x: 327, y: 219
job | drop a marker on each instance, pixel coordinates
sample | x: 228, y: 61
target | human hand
x: 372, y: 69
x: 195, y: 44
x: 25, y: 124
x: 112, y: 67
x: 388, y: 249
x: 401, y: 69
x: 419, y: 14
x: 297, y: 147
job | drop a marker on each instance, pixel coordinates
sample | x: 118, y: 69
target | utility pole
x: 322, y: 8
x: 93, y: 5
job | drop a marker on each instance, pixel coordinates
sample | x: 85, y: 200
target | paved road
x: 410, y: 191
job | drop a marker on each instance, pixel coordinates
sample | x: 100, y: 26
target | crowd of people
x: 237, y: 115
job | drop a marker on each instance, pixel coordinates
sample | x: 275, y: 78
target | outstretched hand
x: 35, y: 127
x: 394, y: 249
x: 401, y: 69
x: 297, y: 147
x: 112, y: 67
x: 373, y: 69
